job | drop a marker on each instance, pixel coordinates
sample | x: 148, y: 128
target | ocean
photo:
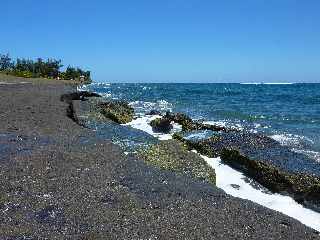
x: 288, y: 113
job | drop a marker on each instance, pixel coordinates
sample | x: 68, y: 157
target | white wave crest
x: 87, y: 87
x: 99, y: 84
x: 83, y: 87
x: 225, y: 123
x: 144, y: 106
x: 312, y: 154
x: 291, y: 139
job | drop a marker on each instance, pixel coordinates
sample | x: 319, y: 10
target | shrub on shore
x: 50, y: 68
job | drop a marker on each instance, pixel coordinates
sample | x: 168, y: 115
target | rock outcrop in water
x: 162, y: 125
x: 118, y: 111
x: 87, y: 112
x: 154, y: 112
x: 304, y: 188
x: 72, y: 98
x: 268, y: 162
x: 189, y: 125
x: 172, y: 155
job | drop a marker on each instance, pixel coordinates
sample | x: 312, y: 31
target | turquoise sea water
x: 289, y: 113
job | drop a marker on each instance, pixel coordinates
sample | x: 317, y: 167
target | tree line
x: 49, y: 68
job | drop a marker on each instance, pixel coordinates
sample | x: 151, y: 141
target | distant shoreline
x: 10, y: 79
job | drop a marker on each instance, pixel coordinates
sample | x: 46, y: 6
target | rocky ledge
x: 164, y: 124
x: 97, y: 108
x: 268, y: 162
x: 172, y: 155
x: 117, y: 111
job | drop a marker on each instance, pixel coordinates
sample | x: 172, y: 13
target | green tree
x: 49, y: 68
x: 5, y: 62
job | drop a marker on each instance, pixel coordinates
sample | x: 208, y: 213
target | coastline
x: 59, y: 181
x: 237, y: 183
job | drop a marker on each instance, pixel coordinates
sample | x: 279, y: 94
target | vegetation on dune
x: 50, y: 68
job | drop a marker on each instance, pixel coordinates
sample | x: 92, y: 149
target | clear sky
x: 170, y: 40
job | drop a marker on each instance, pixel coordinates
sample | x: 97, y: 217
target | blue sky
x: 170, y: 40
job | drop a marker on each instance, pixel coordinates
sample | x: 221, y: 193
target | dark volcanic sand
x: 58, y: 182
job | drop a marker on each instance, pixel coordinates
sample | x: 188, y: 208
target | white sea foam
x: 145, y: 88
x: 142, y: 123
x: 237, y: 126
x: 99, y: 84
x: 312, y: 154
x: 85, y: 87
x: 225, y: 123
x: 257, y: 126
x: 233, y: 183
x: 228, y: 179
x: 106, y: 95
x: 143, y: 106
x: 295, y: 142
x: 290, y: 139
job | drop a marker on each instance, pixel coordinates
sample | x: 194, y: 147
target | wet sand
x: 58, y: 181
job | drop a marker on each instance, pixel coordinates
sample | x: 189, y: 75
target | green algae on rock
x: 304, y: 188
x: 117, y: 111
x: 201, y: 146
x: 172, y: 155
x: 95, y: 107
x: 189, y: 125
x: 162, y: 125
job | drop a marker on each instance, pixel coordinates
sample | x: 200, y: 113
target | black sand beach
x: 58, y: 181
